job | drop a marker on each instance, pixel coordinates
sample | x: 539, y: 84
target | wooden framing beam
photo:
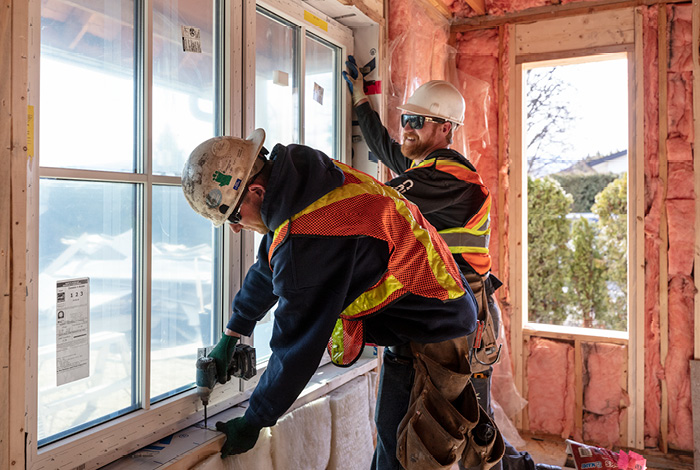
x: 5, y: 228
x: 663, y: 225
x: 14, y: 31
x: 372, y: 9
x: 548, y: 12
x: 696, y: 162
x: 502, y: 156
x: 636, y: 262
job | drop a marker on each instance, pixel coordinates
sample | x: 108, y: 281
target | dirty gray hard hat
x: 216, y: 173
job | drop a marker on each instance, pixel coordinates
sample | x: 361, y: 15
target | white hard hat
x: 217, y: 171
x: 439, y: 99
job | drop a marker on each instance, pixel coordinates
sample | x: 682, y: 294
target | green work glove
x: 222, y: 354
x: 355, y: 80
x: 240, y: 436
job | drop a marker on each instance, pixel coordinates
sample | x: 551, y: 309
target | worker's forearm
x: 228, y: 332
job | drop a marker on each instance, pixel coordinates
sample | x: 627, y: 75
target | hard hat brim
x: 257, y: 139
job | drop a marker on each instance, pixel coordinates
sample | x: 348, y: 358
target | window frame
x: 615, y: 31
x: 104, y: 443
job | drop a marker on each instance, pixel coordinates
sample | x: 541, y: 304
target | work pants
x: 395, y: 382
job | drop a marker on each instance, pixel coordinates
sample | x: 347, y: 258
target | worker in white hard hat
x: 349, y: 261
x: 452, y: 196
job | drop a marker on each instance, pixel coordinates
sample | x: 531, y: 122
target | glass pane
x: 87, y: 84
x: 183, y: 81
x: 87, y: 230
x: 320, y: 102
x: 181, y: 290
x: 276, y: 88
x: 577, y: 194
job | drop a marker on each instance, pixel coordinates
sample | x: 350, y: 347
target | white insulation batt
x: 351, y: 440
x: 258, y: 458
x: 301, y: 439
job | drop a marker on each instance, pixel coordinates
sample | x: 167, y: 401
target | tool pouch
x: 487, y: 454
x: 443, y: 407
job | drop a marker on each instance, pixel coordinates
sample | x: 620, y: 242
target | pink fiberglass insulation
x: 550, y: 382
x: 653, y: 370
x: 681, y: 236
x: 680, y: 105
x: 680, y: 339
x: 418, y: 53
x: 477, y: 63
x: 680, y: 207
x: 604, y: 398
x: 680, y: 38
x: 602, y: 430
x: 460, y: 8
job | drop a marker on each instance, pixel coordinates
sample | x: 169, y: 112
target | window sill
x: 570, y: 333
x: 194, y: 443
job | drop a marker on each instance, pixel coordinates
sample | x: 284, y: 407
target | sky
x: 598, y: 99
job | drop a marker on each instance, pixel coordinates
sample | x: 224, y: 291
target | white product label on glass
x: 72, y: 330
x: 191, y: 39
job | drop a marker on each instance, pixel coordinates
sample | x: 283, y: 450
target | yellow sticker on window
x: 315, y: 20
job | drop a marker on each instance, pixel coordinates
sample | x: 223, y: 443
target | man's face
x: 251, y: 219
x: 419, y: 143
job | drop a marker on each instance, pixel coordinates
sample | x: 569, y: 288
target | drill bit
x: 205, y: 416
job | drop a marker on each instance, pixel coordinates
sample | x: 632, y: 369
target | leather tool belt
x: 444, y: 422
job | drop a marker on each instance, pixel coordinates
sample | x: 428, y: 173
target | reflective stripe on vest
x: 363, y: 206
x: 472, y: 240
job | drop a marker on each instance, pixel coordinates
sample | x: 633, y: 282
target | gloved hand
x: 355, y: 80
x: 222, y: 353
x: 240, y: 436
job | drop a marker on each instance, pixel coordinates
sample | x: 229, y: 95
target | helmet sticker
x: 213, y: 199
x: 222, y: 178
x: 236, y: 184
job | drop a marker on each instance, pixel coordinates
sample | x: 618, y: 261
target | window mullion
x: 144, y: 165
x: 301, y: 80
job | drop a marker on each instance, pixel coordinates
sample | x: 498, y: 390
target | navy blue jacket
x: 314, y: 279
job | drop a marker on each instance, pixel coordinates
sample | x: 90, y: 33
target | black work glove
x: 222, y: 354
x: 240, y: 436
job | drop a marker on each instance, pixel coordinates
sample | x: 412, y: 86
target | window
x: 575, y: 143
x: 120, y: 113
x: 287, y: 56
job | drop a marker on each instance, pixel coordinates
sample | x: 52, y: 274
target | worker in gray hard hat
x: 452, y: 196
x: 349, y: 261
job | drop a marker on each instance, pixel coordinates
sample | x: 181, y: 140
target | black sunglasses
x: 417, y: 122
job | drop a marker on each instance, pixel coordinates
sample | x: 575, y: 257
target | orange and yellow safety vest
x: 472, y: 240
x: 419, y: 263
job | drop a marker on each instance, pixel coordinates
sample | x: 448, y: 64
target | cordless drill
x: 241, y: 365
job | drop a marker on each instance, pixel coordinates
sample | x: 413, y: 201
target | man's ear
x: 257, y: 189
x: 446, y: 126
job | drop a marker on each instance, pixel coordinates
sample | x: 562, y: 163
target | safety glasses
x: 417, y: 122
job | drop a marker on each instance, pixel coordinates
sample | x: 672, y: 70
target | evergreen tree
x: 548, y: 255
x: 611, y: 209
x: 589, y: 293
